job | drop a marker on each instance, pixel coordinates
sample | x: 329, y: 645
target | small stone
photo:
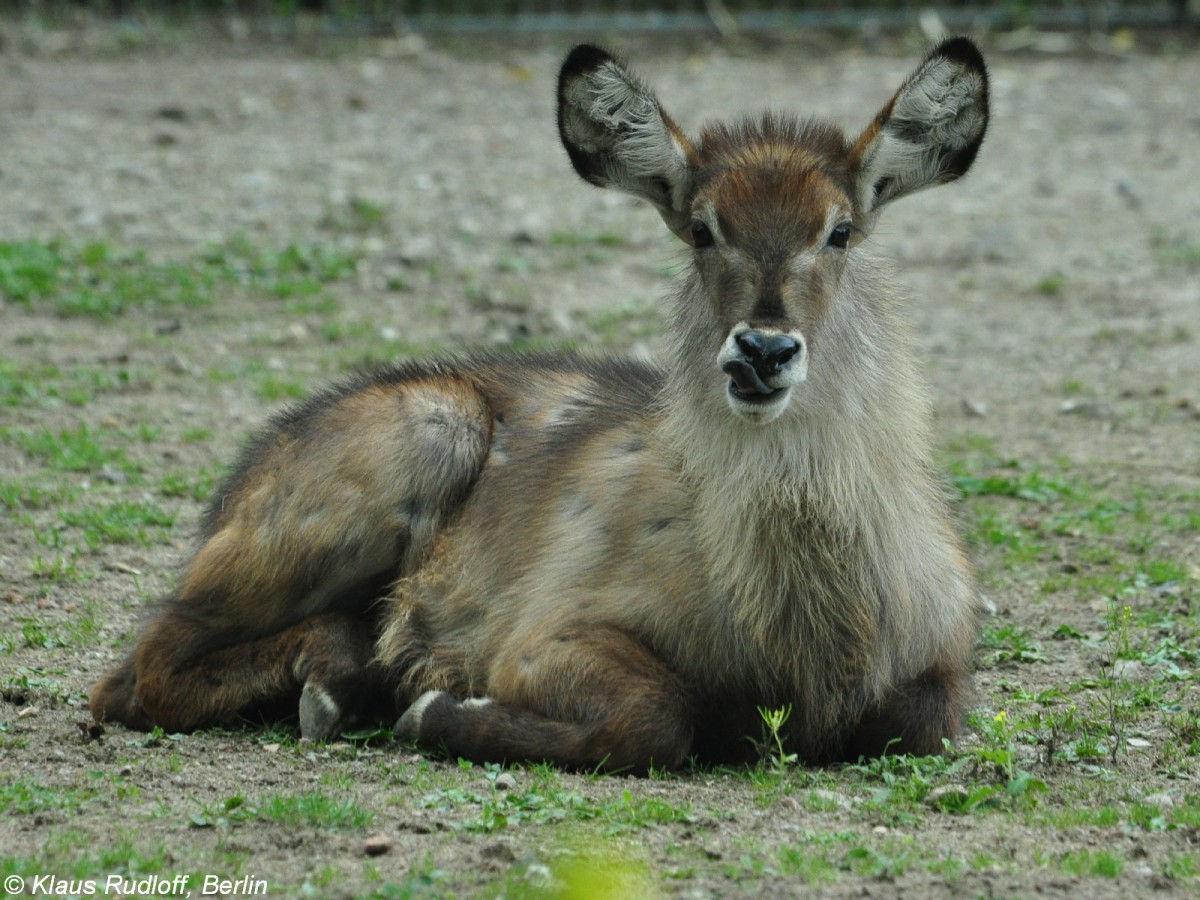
x: 830, y: 799
x: 1128, y: 192
x: 975, y: 409
x: 416, y: 250
x: 172, y: 113
x: 1128, y: 670
x: 946, y: 795
x: 1162, y: 800
x: 498, y: 850
x: 377, y: 845
x: 111, y: 476
x: 179, y: 364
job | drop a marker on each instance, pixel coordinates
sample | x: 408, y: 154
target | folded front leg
x: 582, y: 699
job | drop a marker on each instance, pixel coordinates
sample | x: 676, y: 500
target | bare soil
x: 1055, y: 298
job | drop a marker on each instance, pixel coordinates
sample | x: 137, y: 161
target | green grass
x: 1005, y: 643
x: 121, y: 522
x: 1055, y: 759
x: 29, y: 685
x: 99, y: 281
x: 79, y: 449
x: 194, y: 485
x: 1051, y: 284
x: 314, y: 809
x: 357, y: 215
x: 1175, y: 248
x: 27, y: 494
x: 72, y: 854
x: 1102, y: 863
x: 619, y: 327
x: 29, y: 796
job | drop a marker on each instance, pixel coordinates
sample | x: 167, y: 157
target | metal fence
x: 646, y: 15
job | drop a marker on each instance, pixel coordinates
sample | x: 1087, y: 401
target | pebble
x: 111, y: 476
x: 939, y: 796
x: 377, y: 845
x: 831, y: 798
x: 1128, y: 670
x: 1162, y: 800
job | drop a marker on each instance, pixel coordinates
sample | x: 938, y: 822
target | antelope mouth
x: 747, y: 386
x: 762, y: 365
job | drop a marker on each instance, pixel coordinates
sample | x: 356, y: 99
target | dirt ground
x: 1056, y: 301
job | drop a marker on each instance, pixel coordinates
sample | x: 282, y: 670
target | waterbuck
x: 605, y: 563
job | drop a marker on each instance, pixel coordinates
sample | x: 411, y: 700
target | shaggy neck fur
x: 807, y: 524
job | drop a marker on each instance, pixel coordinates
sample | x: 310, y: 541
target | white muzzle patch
x: 763, y: 365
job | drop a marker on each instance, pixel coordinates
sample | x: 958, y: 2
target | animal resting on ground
x: 608, y: 563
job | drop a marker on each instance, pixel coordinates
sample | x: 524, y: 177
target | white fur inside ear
x: 622, y: 120
x: 938, y: 106
x: 646, y: 145
x: 934, y: 116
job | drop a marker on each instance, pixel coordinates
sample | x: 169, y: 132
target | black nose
x: 767, y: 353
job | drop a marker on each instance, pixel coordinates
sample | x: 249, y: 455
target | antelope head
x: 772, y: 208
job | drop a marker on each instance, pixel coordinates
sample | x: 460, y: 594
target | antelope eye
x: 701, y: 235
x: 840, y: 236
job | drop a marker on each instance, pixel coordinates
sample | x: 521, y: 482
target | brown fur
x: 601, y: 562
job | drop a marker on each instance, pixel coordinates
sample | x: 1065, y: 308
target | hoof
x: 408, y: 728
x: 320, y: 716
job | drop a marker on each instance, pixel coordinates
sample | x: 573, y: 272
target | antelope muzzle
x: 763, y: 366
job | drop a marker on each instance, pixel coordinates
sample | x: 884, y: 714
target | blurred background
x: 726, y: 17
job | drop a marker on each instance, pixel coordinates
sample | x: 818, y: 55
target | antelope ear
x: 618, y: 136
x: 930, y: 131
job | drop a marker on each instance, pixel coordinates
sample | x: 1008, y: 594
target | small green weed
x: 1010, y: 643
x: 122, y: 522
x: 356, y: 216
x: 1000, y: 736
x: 1051, y: 284
x: 1024, y: 485
x: 32, y: 685
x: 194, y: 485
x: 297, y: 270
x: 314, y: 809
x: 774, y: 721
x: 102, y: 282
x: 29, y: 495
x: 589, y: 239
x: 78, y: 449
x: 97, y: 280
x: 1101, y: 863
x: 229, y: 812
x: 57, y: 569
x: 1175, y: 249
x: 273, y: 388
